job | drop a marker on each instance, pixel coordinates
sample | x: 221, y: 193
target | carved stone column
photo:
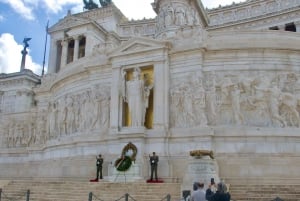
x: 1, y: 95
x: 281, y: 27
x: 76, y: 48
x: 297, y: 24
x: 64, y: 53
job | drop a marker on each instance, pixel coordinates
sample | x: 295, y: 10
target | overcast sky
x: 28, y: 18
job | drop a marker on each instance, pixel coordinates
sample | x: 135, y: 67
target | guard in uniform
x: 99, y: 164
x: 153, y: 164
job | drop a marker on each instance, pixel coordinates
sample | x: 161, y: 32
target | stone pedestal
x: 131, y: 175
x: 200, y: 170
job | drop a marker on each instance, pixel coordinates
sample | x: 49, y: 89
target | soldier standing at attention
x: 99, y: 164
x: 153, y: 163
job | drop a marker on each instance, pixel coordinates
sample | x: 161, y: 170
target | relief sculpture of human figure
x: 274, y: 102
x: 136, y: 95
x: 235, y: 102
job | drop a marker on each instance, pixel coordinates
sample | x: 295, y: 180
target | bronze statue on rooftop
x: 24, y: 53
x: 89, y: 4
x: 105, y: 2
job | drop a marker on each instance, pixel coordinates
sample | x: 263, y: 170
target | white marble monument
x: 224, y: 79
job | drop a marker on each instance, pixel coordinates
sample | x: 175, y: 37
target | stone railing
x: 5, y: 197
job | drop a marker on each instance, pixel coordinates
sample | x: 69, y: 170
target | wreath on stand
x: 128, y: 155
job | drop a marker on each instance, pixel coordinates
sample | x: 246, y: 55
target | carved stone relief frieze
x: 17, y: 133
x: 175, y: 15
x: 76, y: 113
x: 265, y: 100
x: 249, y: 10
x: 138, y: 28
x: 261, y: 101
x: 80, y: 112
x: 188, y: 105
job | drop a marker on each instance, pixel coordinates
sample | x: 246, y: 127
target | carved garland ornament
x: 128, y: 155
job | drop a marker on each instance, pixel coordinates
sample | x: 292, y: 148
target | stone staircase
x: 49, y: 190
x: 259, y: 192
x: 79, y: 190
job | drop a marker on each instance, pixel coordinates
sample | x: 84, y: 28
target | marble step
x: 78, y: 191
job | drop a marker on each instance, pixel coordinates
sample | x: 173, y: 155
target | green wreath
x: 132, y: 148
x: 124, y: 163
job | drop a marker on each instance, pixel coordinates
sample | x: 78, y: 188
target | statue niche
x: 137, y: 97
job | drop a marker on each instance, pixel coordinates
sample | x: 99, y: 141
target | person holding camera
x: 220, y: 195
x: 153, y: 163
x: 213, y: 185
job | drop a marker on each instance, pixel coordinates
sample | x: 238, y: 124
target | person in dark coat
x: 220, y: 195
x: 99, y: 164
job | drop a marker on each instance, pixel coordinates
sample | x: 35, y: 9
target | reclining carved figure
x: 200, y: 153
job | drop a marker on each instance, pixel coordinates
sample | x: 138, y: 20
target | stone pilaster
x: 161, y: 101
x: 52, y: 57
x: 115, y: 117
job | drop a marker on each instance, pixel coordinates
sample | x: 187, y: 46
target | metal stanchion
x: 126, y: 196
x: 168, y: 197
x: 90, y: 196
x: 27, y: 195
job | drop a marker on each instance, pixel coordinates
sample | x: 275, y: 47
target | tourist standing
x: 198, y: 194
x: 220, y: 195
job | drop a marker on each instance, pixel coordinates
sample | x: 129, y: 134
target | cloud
x: 130, y: 11
x: 10, y: 56
x: 19, y: 7
x: 26, y: 8
x: 216, y: 3
x: 56, y: 6
x: 1, y: 18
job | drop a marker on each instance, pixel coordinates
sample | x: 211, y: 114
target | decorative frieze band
x: 249, y: 9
